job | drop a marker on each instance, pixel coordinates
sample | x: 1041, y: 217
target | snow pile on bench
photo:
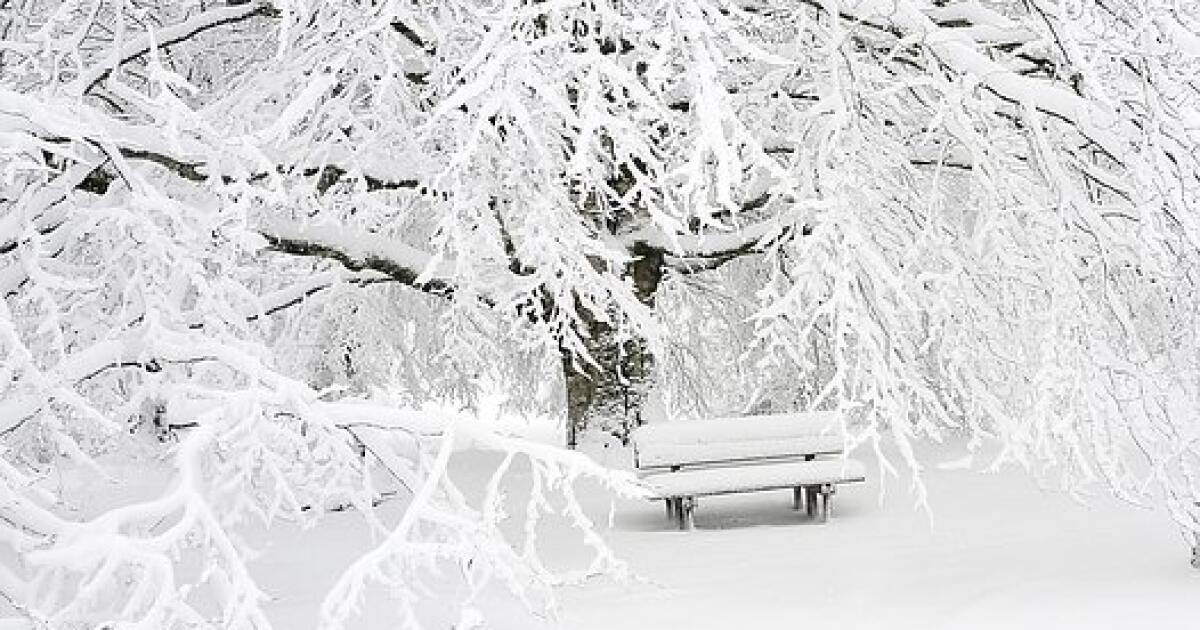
x: 710, y: 481
x: 734, y: 439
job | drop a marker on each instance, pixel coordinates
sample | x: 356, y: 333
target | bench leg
x: 827, y: 491
x: 677, y: 511
x: 797, y: 497
x: 810, y: 501
x: 686, y: 510
x: 670, y: 503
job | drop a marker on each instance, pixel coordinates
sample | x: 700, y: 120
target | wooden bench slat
x: 772, y: 426
x: 752, y: 478
x: 644, y: 470
x: 655, y: 454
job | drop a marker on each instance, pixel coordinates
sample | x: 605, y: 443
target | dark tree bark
x: 616, y: 385
x: 581, y: 391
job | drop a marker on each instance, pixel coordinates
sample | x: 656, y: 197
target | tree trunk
x: 617, y: 387
x: 581, y: 391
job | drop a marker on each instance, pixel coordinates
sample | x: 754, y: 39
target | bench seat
x: 754, y: 477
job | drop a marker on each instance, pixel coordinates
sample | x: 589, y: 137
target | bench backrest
x: 775, y: 436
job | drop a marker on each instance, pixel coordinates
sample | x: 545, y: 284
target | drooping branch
x: 173, y: 35
x: 957, y: 50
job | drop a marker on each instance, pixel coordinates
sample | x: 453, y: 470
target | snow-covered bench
x: 679, y: 461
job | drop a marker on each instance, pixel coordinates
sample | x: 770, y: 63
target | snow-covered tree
x: 267, y: 231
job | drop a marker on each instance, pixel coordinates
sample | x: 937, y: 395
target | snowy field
x: 999, y: 552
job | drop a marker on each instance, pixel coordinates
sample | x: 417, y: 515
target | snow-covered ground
x: 998, y: 553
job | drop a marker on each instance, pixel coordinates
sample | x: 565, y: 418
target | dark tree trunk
x: 581, y: 391
x: 617, y: 385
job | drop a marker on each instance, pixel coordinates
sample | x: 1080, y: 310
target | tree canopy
x: 266, y: 231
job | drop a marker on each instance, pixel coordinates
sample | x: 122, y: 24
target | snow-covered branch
x: 359, y: 251
x: 157, y: 39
